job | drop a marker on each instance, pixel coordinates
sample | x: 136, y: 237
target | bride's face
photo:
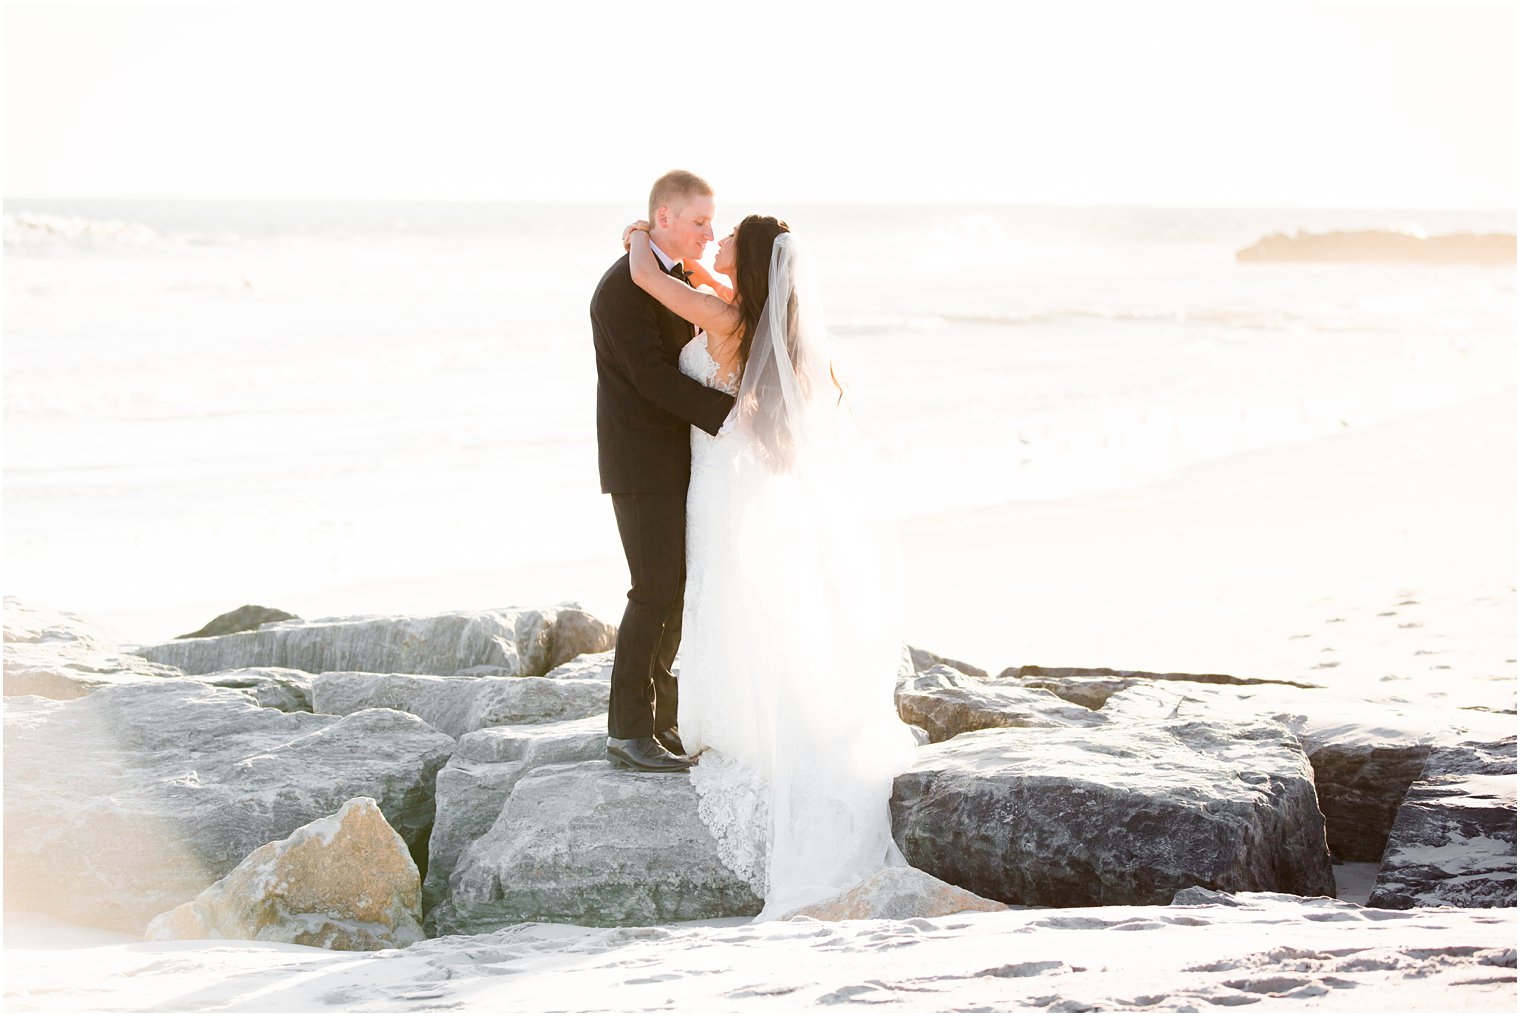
x: 723, y: 264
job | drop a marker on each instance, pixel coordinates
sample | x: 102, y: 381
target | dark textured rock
x: 1362, y: 764
x: 1453, y: 843
x: 127, y: 802
x: 1125, y: 813
x: 1360, y: 788
x: 246, y: 618
x: 591, y: 843
x: 945, y: 702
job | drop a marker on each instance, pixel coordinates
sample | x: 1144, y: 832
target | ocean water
x: 212, y: 404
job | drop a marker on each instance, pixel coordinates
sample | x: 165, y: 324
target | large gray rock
x: 1454, y: 841
x: 479, y: 777
x: 130, y: 801
x: 505, y: 642
x: 590, y: 843
x: 1363, y: 764
x: 1125, y: 813
x: 344, y: 881
x: 945, y: 702
x: 458, y: 705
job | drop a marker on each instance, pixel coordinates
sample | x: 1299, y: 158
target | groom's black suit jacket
x: 644, y: 404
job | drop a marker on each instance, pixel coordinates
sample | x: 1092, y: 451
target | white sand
x: 1287, y: 954
x: 1381, y: 563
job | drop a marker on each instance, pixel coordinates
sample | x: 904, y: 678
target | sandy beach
x: 1274, y: 952
x: 1382, y: 560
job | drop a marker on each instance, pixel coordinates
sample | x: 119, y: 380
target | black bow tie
x: 678, y: 272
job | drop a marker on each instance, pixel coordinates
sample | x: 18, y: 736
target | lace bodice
x: 697, y: 362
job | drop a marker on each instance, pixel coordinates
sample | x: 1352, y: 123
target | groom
x: 645, y: 408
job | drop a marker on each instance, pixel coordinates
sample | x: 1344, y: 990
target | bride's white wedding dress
x: 790, y: 639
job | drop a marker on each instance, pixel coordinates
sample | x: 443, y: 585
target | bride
x: 790, y: 629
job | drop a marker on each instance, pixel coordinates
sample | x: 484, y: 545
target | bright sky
x: 1219, y: 103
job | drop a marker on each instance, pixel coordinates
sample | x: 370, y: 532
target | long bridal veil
x: 793, y: 628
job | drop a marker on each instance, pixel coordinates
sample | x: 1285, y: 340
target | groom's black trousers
x: 653, y: 528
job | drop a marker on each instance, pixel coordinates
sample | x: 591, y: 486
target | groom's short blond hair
x: 676, y: 188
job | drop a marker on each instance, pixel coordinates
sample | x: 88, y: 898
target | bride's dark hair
x: 761, y: 399
x: 752, y: 276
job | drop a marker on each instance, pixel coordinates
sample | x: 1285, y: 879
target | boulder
x: 1453, y: 843
x: 130, y: 801
x: 458, y: 705
x: 1124, y: 813
x: 1362, y: 764
x: 479, y: 778
x: 271, y: 687
x: 591, y: 843
x: 246, y: 618
x: 897, y: 894
x: 344, y: 881
x: 922, y: 659
x: 946, y: 702
x: 505, y: 642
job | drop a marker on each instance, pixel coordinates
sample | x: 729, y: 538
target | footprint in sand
x: 1407, y: 603
x: 1411, y: 624
x: 1303, y: 636
x: 1334, y: 620
x: 1326, y: 664
x: 1389, y: 613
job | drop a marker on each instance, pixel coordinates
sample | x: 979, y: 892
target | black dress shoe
x: 645, y: 754
x: 670, y: 740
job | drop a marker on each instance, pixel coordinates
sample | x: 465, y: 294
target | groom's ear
x: 662, y: 216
